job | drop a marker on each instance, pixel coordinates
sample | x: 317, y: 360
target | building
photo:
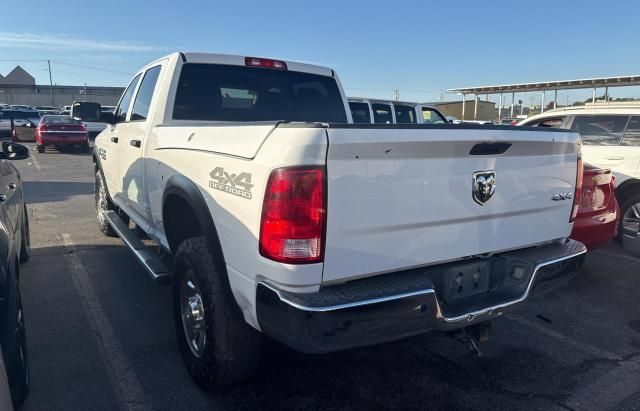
x: 486, y: 109
x: 19, y: 87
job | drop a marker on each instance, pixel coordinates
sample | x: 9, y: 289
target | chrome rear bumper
x: 402, y: 304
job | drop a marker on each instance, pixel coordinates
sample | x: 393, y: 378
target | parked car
x: 23, y: 132
x: 15, y: 248
x: 611, y: 139
x: 19, y: 117
x: 280, y: 217
x: 598, y: 214
x: 371, y: 111
x: 61, y: 131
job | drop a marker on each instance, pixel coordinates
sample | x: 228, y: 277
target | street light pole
x: 50, y: 83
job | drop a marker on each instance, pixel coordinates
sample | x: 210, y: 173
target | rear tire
x: 627, y: 215
x: 86, y: 148
x: 103, y: 204
x: 25, y: 247
x: 40, y: 148
x: 20, y: 368
x: 14, y: 341
x: 218, y: 347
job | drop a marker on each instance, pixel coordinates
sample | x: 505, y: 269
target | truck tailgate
x: 401, y: 197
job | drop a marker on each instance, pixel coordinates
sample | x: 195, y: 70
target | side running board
x: 155, y: 268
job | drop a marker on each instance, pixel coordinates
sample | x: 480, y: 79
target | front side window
x: 554, y: 122
x: 125, y: 101
x: 360, y: 113
x: 145, y: 92
x: 382, y: 114
x: 405, y: 114
x: 632, y: 133
x: 431, y: 116
x: 215, y: 92
x: 600, y: 130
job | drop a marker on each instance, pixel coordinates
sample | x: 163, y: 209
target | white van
x: 372, y: 111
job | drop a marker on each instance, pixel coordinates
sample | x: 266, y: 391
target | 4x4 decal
x: 236, y: 184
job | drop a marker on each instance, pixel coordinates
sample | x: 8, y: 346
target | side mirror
x: 107, y: 117
x: 14, y: 151
x: 450, y: 121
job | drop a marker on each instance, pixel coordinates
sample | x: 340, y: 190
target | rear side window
x: 632, y: 133
x: 213, y: 92
x: 145, y: 92
x: 382, y: 114
x: 123, y: 108
x: 604, y: 130
x: 554, y: 122
x: 405, y: 114
x: 431, y: 116
x: 360, y: 113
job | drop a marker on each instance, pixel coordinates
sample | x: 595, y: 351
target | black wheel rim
x: 631, y: 222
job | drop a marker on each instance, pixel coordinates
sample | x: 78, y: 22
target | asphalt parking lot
x: 101, y: 334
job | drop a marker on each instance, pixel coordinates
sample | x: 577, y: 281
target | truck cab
x: 371, y: 111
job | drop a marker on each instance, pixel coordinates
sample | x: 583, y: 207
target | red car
x: 597, y: 220
x: 61, y: 131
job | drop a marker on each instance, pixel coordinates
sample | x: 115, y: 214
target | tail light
x: 293, y: 221
x: 266, y: 63
x: 577, y: 196
x: 42, y: 127
x: 83, y: 128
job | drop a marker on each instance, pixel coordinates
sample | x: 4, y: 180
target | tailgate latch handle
x: 489, y: 149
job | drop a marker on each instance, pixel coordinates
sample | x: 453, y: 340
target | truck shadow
x: 53, y: 191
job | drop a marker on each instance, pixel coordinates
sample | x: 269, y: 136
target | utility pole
x: 397, y: 94
x: 50, y: 83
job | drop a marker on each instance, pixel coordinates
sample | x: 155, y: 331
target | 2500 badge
x: 236, y: 184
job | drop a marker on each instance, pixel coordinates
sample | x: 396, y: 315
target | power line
x: 91, y: 68
x: 69, y: 64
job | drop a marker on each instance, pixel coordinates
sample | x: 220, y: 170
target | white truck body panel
x: 403, y: 197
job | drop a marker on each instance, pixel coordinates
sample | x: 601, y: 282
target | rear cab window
x: 215, y: 92
x: 431, y: 116
x: 553, y: 122
x: 142, y: 103
x: 405, y: 114
x: 360, y: 112
x: 601, y: 130
x: 382, y: 113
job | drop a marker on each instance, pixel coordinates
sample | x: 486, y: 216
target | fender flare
x: 186, y: 189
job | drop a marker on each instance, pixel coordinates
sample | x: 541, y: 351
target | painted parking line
x: 611, y: 389
x: 614, y: 254
x: 598, y: 352
x: 35, y: 161
x: 124, y: 381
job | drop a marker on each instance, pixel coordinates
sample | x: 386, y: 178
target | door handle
x: 136, y: 143
x: 3, y: 198
x: 615, y: 158
x: 114, y: 140
x: 12, y: 186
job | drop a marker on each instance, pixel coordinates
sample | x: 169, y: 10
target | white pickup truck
x: 273, y: 213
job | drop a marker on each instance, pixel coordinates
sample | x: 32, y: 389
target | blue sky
x: 418, y: 47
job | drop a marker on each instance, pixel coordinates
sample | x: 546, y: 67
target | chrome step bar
x: 159, y: 273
